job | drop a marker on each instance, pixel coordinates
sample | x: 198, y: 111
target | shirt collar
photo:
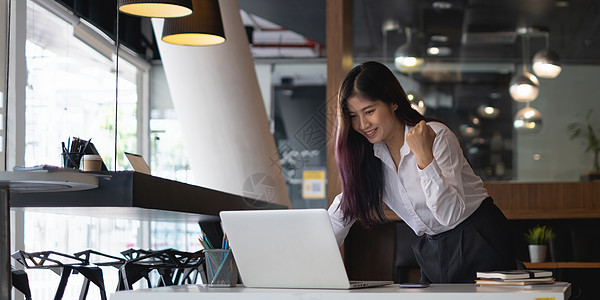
x: 380, y: 148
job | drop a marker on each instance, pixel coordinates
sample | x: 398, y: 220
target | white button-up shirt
x: 433, y: 200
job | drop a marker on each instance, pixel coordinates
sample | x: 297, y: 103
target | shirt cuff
x: 431, y: 172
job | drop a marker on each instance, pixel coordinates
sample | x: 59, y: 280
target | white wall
x: 216, y: 96
x: 561, y: 101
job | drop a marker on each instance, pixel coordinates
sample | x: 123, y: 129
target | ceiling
x: 476, y: 30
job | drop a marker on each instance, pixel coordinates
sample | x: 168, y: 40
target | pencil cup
x: 220, y: 268
x: 70, y: 160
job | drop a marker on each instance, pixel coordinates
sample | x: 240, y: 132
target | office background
x: 67, y: 82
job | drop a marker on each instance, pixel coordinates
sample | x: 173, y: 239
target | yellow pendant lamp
x: 156, y: 8
x: 202, y: 28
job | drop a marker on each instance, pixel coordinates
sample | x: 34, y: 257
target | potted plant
x: 538, y: 238
x: 585, y: 131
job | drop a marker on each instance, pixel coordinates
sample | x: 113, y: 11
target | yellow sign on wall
x: 313, y: 184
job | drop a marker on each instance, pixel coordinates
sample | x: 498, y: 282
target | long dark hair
x: 361, y: 173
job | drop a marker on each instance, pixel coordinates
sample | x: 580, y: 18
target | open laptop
x: 292, y: 248
x: 138, y: 163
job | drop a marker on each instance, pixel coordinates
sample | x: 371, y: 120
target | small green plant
x: 585, y: 131
x: 539, y: 235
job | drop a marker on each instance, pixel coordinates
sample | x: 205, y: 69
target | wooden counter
x: 562, y: 265
x: 547, y: 200
x: 542, y: 200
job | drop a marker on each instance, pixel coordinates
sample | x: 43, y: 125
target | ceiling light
x: 546, y: 63
x: 416, y: 102
x: 441, y: 5
x: 419, y: 106
x: 487, y: 111
x: 469, y: 130
x: 439, y: 51
x: 413, y: 96
x: 202, y: 28
x: 408, y: 57
x: 528, y: 120
x: 156, y: 8
x: 440, y: 38
x: 524, y: 87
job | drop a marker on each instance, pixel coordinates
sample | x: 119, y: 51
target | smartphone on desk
x: 413, y: 285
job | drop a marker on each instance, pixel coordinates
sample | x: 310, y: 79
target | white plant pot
x: 537, y: 253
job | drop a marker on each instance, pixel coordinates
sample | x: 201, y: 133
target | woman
x: 389, y: 153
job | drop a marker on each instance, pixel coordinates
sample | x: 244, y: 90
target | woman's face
x: 374, y: 119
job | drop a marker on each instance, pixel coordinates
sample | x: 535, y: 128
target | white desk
x: 557, y: 291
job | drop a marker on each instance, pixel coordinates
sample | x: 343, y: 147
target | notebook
x: 293, y: 248
x: 138, y: 163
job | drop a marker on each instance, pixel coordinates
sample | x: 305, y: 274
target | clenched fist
x: 420, y: 140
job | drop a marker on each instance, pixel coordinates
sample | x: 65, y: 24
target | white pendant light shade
x: 528, y: 120
x: 156, y: 8
x: 546, y: 64
x: 408, y: 58
x: 524, y: 87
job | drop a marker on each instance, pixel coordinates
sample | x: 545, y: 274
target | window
x: 71, y: 92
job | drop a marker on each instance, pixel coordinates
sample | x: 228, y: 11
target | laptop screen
x: 138, y: 163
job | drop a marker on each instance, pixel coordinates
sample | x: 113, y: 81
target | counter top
x: 133, y: 195
x: 557, y: 291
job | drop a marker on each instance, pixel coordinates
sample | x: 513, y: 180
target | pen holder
x: 220, y: 268
x: 71, y: 159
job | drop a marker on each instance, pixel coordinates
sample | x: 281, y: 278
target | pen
x: 65, y: 155
x: 86, y: 145
x: 225, y: 242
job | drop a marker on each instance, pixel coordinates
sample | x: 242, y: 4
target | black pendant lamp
x: 202, y: 28
x: 156, y: 8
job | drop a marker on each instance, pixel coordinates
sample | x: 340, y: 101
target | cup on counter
x: 221, y: 268
x: 91, y: 162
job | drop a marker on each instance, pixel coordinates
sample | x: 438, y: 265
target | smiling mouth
x: 370, y: 133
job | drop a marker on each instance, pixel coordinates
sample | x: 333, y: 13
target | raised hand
x: 420, y: 140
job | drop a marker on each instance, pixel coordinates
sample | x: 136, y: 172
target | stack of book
x: 515, y: 277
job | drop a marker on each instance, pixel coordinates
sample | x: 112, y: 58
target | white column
x: 216, y: 96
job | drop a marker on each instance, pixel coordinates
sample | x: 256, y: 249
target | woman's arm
x: 442, y: 180
x: 340, y: 228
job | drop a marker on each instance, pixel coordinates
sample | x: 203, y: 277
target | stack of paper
x: 515, y: 277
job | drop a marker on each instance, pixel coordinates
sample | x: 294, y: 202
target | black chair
x: 63, y: 265
x: 21, y: 282
x: 99, y: 259
x: 174, y: 267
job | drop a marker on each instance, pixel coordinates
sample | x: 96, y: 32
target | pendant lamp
x: 409, y: 57
x: 528, y: 120
x: 546, y: 63
x: 524, y: 86
x: 156, y: 8
x: 487, y: 111
x: 202, y: 28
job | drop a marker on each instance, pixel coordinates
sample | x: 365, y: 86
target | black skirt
x: 482, y: 242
